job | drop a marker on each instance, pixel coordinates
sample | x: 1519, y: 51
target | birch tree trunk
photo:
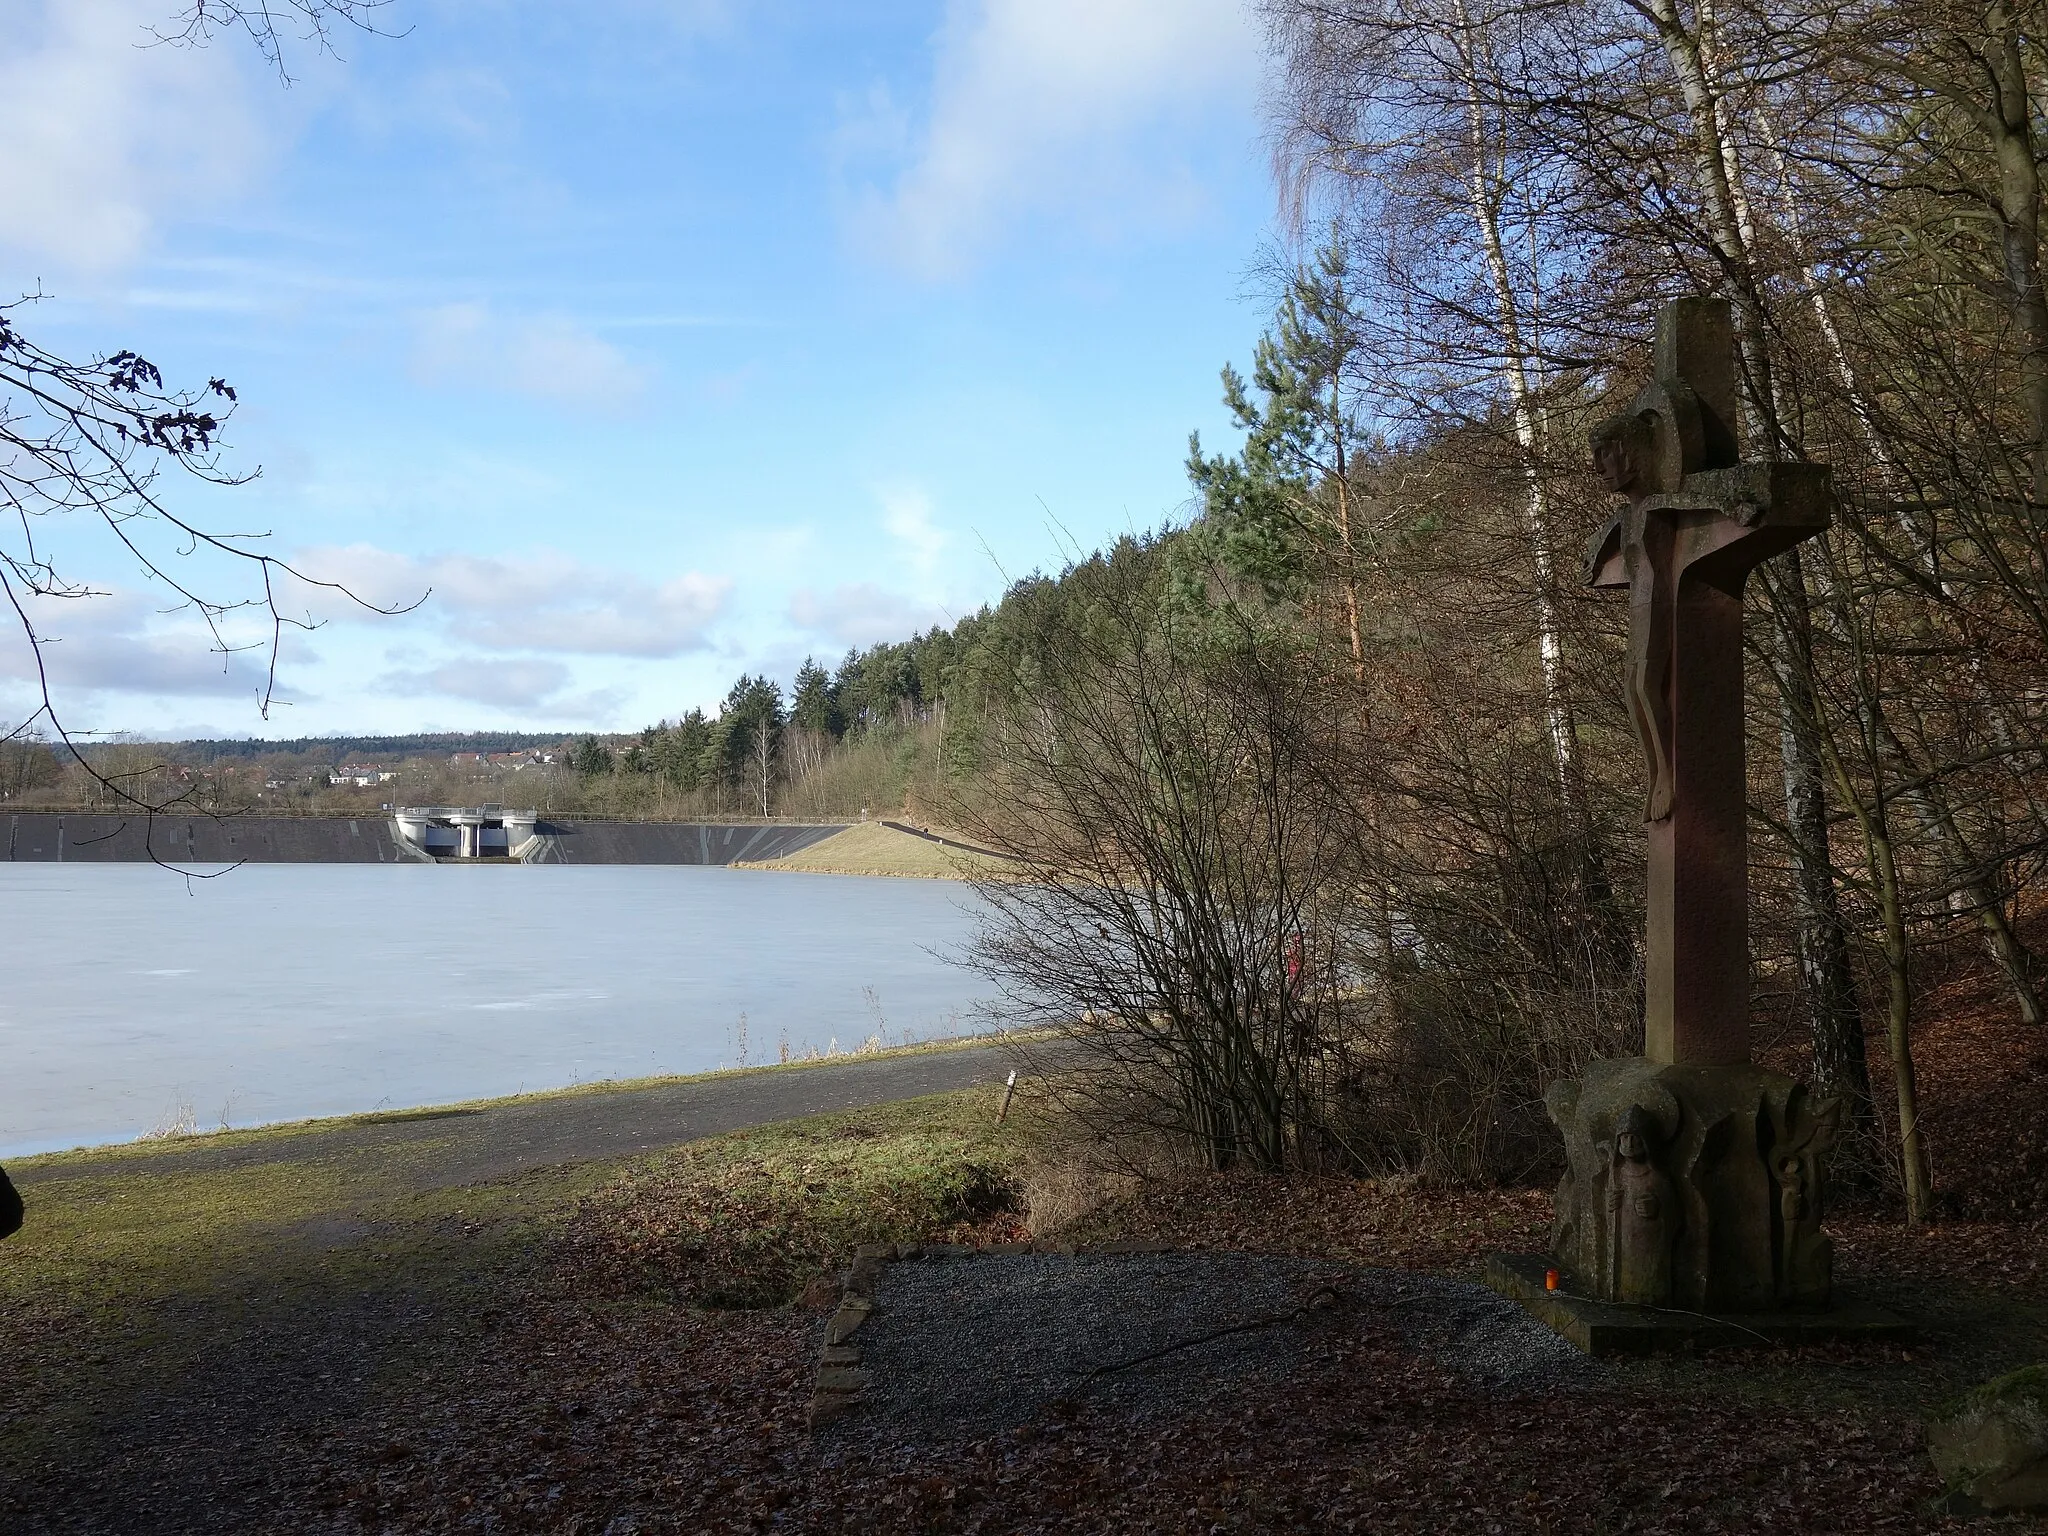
x: 1484, y: 189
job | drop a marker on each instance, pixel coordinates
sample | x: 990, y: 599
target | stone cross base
x: 1692, y: 1187
x: 1609, y: 1328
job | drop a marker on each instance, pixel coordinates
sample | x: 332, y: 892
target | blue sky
x: 661, y: 340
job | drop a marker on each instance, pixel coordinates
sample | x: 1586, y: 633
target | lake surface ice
x: 136, y: 999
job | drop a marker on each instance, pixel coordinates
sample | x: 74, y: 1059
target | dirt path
x: 445, y: 1148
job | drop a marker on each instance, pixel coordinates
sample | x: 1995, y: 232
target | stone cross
x: 1697, y: 522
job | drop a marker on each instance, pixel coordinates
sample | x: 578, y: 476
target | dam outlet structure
x: 466, y: 832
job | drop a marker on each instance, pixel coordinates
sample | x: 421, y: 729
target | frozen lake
x: 136, y: 999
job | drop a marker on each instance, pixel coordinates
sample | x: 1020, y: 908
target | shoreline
x: 148, y: 1147
x: 770, y: 868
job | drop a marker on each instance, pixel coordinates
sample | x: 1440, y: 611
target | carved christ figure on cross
x: 1638, y: 549
x: 1622, y: 449
x: 1695, y: 524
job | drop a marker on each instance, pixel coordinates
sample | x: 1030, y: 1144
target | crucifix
x: 1694, y: 1178
x: 1696, y: 522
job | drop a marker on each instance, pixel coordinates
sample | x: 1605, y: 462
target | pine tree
x: 814, y: 702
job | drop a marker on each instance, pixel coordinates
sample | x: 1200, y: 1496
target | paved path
x: 933, y: 837
x: 498, y: 1140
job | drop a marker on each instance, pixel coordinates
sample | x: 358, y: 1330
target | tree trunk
x: 1482, y: 187
x: 1342, y: 477
x: 1878, y: 849
x: 2019, y: 220
x: 1898, y: 1020
x: 1828, y: 981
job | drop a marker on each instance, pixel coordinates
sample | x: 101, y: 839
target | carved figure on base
x: 1643, y: 1215
x: 1677, y: 1190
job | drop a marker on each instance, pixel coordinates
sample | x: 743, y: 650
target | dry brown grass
x: 873, y: 849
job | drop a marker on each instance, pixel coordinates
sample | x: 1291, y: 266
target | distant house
x: 362, y: 775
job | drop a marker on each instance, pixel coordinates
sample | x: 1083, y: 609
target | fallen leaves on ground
x: 1394, y: 1222
x: 665, y: 1420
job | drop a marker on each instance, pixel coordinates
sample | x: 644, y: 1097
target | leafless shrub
x: 1164, y: 776
x: 181, y: 1120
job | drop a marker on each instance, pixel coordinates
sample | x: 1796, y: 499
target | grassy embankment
x: 870, y: 848
x: 189, y: 1139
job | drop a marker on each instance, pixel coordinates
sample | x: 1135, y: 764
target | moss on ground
x: 744, y: 1220
x: 144, y: 1300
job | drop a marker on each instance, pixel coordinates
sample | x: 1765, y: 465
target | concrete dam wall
x: 109, y: 837
x: 672, y: 842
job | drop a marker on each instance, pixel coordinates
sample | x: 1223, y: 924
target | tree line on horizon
x: 761, y: 748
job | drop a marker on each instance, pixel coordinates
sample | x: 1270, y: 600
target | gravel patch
x: 963, y: 1348
x: 1478, y: 1333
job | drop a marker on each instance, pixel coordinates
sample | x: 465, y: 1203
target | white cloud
x: 862, y: 614
x: 547, y: 356
x: 543, y: 601
x: 118, y: 643
x: 105, y: 136
x: 516, y: 682
x: 522, y: 684
x: 1042, y: 107
x: 907, y: 518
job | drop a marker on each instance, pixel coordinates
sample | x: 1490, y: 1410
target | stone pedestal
x: 1693, y: 1187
